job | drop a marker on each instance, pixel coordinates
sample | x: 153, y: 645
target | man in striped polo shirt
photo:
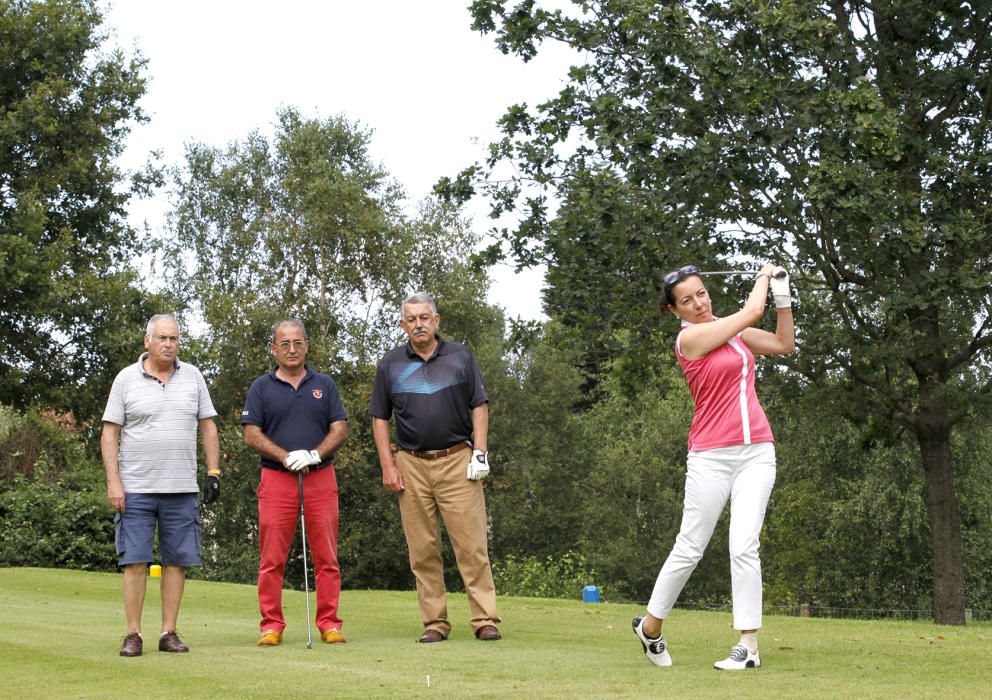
x: 148, y: 445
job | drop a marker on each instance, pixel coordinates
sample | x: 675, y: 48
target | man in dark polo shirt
x: 293, y: 418
x: 435, y: 390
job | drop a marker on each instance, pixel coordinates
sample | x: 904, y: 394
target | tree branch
x: 978, y: 343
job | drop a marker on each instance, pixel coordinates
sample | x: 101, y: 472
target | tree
x: 303, y: 224
x: 851, y: 139
x: 70, y: 302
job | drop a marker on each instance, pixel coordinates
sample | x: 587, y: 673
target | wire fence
x: 823, y: 611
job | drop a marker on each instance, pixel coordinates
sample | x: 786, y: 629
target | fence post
x: 804, y: 610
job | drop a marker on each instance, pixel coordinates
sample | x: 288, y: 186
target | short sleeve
x: 380, y: 405
x: 115, y: 411
x: 478, y: 394
x: 206, y: 406
x: 335, y: 408
x: 253, y: 412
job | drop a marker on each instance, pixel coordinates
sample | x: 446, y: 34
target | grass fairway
x: 62, y: 631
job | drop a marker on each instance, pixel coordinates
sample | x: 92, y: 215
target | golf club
x: 306, y: 580
x: 781, y: 274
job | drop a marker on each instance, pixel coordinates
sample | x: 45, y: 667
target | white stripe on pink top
x: 722, y: 387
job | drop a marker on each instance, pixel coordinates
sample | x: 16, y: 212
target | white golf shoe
x: 654, y: 649
x: 740, y: 658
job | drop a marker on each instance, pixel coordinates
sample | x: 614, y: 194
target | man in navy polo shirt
x: 293, y: 418
x: 434, y: 389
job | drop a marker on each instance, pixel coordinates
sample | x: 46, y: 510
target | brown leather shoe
x: 431, y: 636
x: 170, y: 642
x: 132, y: 645
x: 487, y: 633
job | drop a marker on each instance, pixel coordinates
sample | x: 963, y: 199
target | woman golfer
x: 731, y: 450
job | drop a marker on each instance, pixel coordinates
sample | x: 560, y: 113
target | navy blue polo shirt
x: 294, y: 419
x: 433, y: 399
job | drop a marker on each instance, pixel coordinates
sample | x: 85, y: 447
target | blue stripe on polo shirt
x: 420, y: 378
x: 431, y: 400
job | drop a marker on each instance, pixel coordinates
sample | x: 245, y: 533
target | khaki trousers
x: 440, y: 485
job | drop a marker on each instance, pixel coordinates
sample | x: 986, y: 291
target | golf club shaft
x: 781, y: 274
x: 306, y: 579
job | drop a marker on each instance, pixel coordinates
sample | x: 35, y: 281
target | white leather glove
x: 780, y: 289
x: 478, y: 466
x: 298, y: 460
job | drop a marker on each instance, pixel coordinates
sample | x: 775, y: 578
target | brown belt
x: 438, y: 454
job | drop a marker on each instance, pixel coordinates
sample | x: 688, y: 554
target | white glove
x: 780, y: 288
x: 478, y: 466
x: 298, y: 460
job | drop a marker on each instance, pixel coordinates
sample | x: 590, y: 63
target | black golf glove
x: 211, y: 490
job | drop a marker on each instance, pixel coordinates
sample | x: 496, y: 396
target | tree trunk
x: 945, y: 525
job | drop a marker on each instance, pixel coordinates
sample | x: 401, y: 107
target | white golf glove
x: 478, y: 466
x: 298, y: 460
x: 780, y: 289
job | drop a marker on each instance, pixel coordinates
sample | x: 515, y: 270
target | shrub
x: 55, y: 525
x: 551, y: 577
x: 53, y: 507
x: 42, y: 445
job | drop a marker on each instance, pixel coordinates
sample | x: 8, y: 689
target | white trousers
x: 745, y: 474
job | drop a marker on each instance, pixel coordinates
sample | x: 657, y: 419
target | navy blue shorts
x: 178, y: 519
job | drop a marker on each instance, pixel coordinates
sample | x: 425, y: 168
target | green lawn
x: 61, y: 631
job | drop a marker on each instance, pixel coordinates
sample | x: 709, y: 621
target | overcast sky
x: 429, y: 88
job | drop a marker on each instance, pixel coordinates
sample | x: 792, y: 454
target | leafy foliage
x: 53, y: 509
x: 846, y: 525
x: 68, y: 292
x: 304, y: 225
x: 849, y: 139
x: 552, y: 577
x: 55, y: 525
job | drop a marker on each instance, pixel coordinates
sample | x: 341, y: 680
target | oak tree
x: 850, y: 139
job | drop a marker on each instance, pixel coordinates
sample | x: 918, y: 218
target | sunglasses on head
x: 679, y: 275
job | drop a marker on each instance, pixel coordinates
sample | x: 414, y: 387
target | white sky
x: 429, y: 88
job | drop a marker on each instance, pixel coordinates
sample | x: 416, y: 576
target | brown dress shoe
x: 170, y: 642
x: 132, y: 645
x: 431, y: 636
x: 487, y: 633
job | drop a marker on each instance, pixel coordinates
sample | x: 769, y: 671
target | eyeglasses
x: 679, y: 275
x: 295, y: 345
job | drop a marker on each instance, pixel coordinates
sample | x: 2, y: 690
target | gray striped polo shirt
x: 158, y: 427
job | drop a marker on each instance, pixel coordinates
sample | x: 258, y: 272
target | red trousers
x: 278, y: 515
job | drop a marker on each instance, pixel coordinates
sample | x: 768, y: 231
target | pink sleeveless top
x: 722, y: 387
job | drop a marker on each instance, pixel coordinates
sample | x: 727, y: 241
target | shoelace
x: 657, y: 646
x: 739, y: 653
